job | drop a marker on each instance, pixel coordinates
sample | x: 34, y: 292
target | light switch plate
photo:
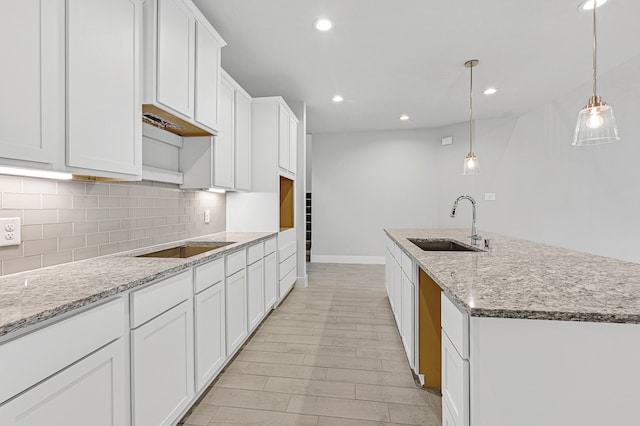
x: 448, y: 140
x: 489, y: 196
x: 10, y: 231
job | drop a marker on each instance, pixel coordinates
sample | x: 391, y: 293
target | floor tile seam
x: 351, y: 417
x: 264, y: 409
x: 321, y: 396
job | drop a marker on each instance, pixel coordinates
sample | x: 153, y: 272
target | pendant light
x: 471, y: 165
x: 596, y: 124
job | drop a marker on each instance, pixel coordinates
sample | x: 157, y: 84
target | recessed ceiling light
x: 337, y: 98
x: 490, y: 91
x: 588, y: 5
x: 323, y: 24
x: 404, y: 117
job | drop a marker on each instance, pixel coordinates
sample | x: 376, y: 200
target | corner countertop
x: 527, y: 280
x: 53, y: 291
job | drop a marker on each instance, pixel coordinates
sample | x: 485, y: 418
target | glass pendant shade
x: 596, y: 125
x: 471, y: 165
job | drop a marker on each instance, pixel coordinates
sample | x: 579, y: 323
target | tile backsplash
x: 65, y: 221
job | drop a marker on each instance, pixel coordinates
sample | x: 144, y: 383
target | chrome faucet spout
x: 475, y: 238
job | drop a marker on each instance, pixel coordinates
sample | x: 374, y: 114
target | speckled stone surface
x: 523, y: 279
x: 54, y: 291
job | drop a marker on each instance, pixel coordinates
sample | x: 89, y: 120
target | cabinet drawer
x: 29, y: 359
x: 287, y: 266
x: 208, y: 274
x: 456, y: 324
x: 270, y: 246
x: 287, y: 251
x: 235, y: 262
x: 455, y: 383
x: 255, y: 253
x: 287, y: 282
x: 407, y: 266
x: 159, y: 297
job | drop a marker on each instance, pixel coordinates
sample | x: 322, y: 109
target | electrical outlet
x: 207, y: 216
x: 489, y: 196
x: 10, y: 231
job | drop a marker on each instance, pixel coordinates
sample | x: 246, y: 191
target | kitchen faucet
x: 475, y: 238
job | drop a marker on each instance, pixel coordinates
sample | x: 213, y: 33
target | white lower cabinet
x: 163, y: 366
x: 396, y: 299
x: 447, y: 418
x: 270, y: 281
x: 255, y: 282
x: 408, y: 317
x: 236, y: 323
x: 92, y: 391
x: 455, y: 384
x: 210, y: 333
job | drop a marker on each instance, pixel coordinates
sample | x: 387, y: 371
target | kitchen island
x: 531, y: 334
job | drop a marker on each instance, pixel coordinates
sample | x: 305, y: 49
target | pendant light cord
x: 471, y: 109
x: 595, y: 51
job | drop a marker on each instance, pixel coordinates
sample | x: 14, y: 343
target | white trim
x: 363, y: 260
x: 302, y: 282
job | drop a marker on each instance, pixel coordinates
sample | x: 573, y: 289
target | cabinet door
x: 163, y: 366
x: 455, y: 383
x: 176, y: 56
x: 407, y: 317
x: 293, y: 145
x: 255, y: 280
x: 236, y: 310
x: 94, y: 391
x: 270, y: 281
x: 223, y: 143
x: 283, y: 138
x: 243, y: 141
x: 447, y: 418
x: 397, y: 294
x: 32, y: 80
x: 210, y: 334
x: 104, y: 128
x: 207, y: 77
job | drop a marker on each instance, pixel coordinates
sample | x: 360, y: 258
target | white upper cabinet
x: 104, y: 129
x: 207, y: 76
x: 242, y: 131
x: 70, y: 100
x: 32, y: 83
x: 181, y: 66
x: 293, y: 142
x: 223, y: 144
x: 284, y: 157
x: 176, y: 56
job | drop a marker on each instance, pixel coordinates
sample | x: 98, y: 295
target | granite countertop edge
x: 160, y: 268
x: 520, y: 313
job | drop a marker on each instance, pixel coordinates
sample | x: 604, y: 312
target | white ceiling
x: 393, y: 57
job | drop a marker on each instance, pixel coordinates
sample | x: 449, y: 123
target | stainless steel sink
x: 186, y: 250
x: 427, y: 244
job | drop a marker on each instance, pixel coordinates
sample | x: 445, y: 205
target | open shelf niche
x: 286, y: 203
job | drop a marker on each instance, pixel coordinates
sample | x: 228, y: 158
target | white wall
x: 364, y: 182
x: 585, y: 198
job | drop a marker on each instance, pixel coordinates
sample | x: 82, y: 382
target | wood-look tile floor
x: 329, y: 355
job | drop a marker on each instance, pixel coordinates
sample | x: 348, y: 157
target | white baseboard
x: 302, y: 282
x: 363, y: 260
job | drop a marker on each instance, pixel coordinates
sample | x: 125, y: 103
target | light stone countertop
x: 53, y: 291
x: 523, y: 279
